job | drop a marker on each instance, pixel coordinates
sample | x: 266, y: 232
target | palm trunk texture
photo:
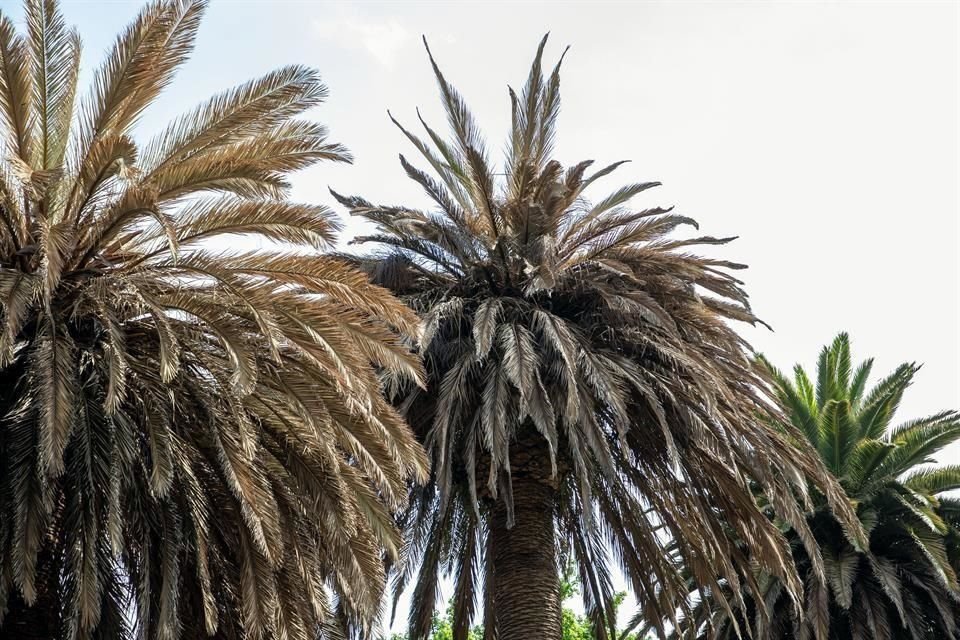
x: 526, y: 583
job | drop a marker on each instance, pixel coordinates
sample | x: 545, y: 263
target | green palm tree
x: 586, y: 394
x: 903, y: 585
x: 192, y: 438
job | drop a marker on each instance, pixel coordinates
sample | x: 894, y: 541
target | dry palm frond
x: 191, y: 439
x: 591, y: 338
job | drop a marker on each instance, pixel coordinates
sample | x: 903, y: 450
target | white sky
x: 824, y: 134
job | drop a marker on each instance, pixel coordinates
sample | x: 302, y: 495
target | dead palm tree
x: 586, y: 392
x: 192, y: 439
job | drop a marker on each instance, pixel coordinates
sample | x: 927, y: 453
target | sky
x: 826, y: 135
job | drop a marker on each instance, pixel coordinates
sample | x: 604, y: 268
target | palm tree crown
x: 903, y: 585
x: 189, y: 437
x: 580, y: 359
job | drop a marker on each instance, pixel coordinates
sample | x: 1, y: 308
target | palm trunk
x: 525, y: 580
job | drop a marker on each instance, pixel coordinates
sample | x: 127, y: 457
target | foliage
x: 575, y: 627
x: 442, y: 627
x: 589, y: 338
x: 903, y: 585
x: 192, y: 441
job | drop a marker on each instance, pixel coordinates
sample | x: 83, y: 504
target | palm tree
x: 192, y: 438
x: 903, y: 585
x: 586, y: 393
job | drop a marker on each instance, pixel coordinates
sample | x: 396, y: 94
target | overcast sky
x: 824, y: 134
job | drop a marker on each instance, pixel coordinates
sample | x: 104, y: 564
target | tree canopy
x: 582, y: 370
x: 903, y: 584
x: 192, y: 438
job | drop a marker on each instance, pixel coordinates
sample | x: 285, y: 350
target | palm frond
x: 570, y: 355
x: 193, y: 443
x: 903, y: 583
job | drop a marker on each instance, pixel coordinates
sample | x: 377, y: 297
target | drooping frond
x: 587, y: 348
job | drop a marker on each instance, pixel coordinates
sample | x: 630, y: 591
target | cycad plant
x: 586, y: 394
x: 192, y: 438
x: 903, y: 585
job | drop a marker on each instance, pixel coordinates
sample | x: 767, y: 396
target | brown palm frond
x: 55, y: 57
x: 16, y: 90
x: 193, y: 442
x: 583, y: 348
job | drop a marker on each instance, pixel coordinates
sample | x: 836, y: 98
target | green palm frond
x: 838, y: 434
x: 934, y: 481
x: 904, y: 585
x: 881, y: 402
